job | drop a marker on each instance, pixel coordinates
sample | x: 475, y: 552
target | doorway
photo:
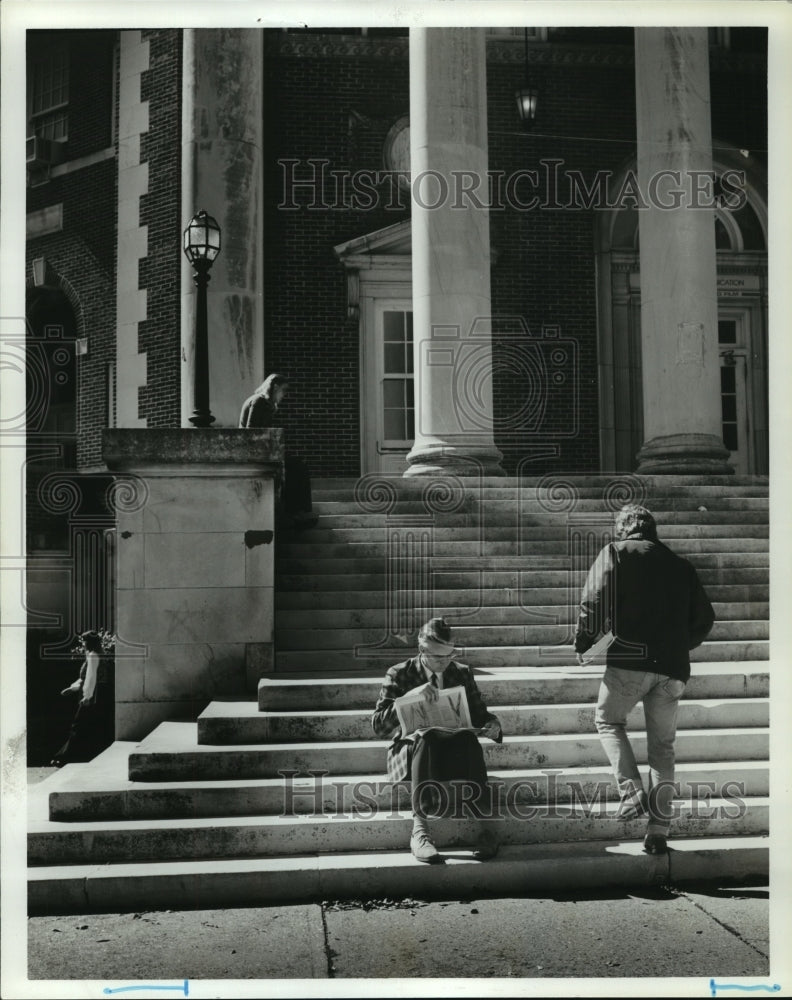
x: 389, y: 421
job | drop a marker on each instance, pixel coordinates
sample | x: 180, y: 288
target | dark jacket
x: 403, y: 678
x: 652, y: 601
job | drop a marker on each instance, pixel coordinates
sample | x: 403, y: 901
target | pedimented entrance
x: 379, y: 294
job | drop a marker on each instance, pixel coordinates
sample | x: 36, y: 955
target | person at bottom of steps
x: 92, y: 726
x: 432, y: 759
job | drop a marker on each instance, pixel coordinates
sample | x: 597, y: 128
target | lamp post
x: 201, y: 246
x: 527, y: 96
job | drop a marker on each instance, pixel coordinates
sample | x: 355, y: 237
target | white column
x: 450, y: 255
x: 679, y: 309
x: 222, y: 172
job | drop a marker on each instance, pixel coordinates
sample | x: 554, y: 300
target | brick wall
x: 545, y: 256
x: 90, y: 96
x: 340, y: 111
x: 83, y: 253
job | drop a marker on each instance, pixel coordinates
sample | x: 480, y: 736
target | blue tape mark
x: 184, y: 988
x: 714, y: 987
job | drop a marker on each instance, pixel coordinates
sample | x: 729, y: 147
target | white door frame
x: 737, y: 355
x: 375, y: 296
x: 620, y: 369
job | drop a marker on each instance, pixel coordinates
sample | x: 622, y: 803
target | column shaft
x: 450, y: 255
x: 679, y: 310
x: 222, y: 142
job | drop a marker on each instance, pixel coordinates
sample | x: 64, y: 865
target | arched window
x: 736, y: 229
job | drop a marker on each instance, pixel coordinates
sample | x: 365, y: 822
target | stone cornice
x: 727, y: 264
x: 128, y: 449
x: 318, y: 46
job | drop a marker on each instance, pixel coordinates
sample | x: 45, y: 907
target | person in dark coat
x: 260, y: 410
x: 91, y: 728
x: 433, y: 756
x: 653, y: 603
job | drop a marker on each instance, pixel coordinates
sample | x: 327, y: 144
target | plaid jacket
x: 400, y: 679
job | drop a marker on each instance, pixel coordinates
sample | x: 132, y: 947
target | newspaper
x: 449, y: 711
x: 599, y: 648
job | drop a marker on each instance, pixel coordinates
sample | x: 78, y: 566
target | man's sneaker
x: 655, y: 843
x: 423, y: 849
x: 486, y: 846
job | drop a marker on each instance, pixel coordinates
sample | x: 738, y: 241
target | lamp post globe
x: 201, y: 247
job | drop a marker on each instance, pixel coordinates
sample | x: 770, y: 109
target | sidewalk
x: 703, y: 933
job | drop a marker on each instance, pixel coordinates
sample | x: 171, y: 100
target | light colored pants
x: 620, y: 691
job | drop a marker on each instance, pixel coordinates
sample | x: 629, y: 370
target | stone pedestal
x: 195, y: 567
x: 450, y: 255
x: 679, y: 308
x: 223, y: 173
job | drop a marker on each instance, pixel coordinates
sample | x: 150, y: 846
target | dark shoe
x: 655, y: 843
x: 423, y: 849
x: 486, y: 846
x: 56, y: 763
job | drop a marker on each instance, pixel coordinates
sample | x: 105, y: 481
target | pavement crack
x: 329, y: 953
x: 725, y: 926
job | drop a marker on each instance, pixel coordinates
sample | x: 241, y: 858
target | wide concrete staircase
x: 283, y: 797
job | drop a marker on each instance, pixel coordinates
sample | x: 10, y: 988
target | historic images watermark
x: 553, y: 795
x: 312, y: 185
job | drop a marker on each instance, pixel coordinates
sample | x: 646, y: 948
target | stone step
x: 527, y: 501
x: 507, y: 517
x: 382, y: 656
x: 373, y: 618
x: 477, y: 547
x: 226, y: 723
x: 171, y: 753
x: 495, y: 635
x: 109, y: 795
x: 512, y: 686
x: 592, y: 478
x: 362, y: 600
x: 346, y: 562
x: 519, y: 869
x: 250, y: 836
x: 554, y: 492
x: 553, y: 531
x: 520, y: 579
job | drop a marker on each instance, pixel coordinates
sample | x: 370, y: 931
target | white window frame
x: 50, y: 50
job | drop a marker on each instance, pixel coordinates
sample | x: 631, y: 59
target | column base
x: 451, y: 460
x: 684, y: 455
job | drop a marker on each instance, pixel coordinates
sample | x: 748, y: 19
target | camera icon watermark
x: 534, y: 379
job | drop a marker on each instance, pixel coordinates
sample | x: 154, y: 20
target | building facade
x: 448, y: 287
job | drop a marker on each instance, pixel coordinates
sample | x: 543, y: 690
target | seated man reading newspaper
x: 433, y: 710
